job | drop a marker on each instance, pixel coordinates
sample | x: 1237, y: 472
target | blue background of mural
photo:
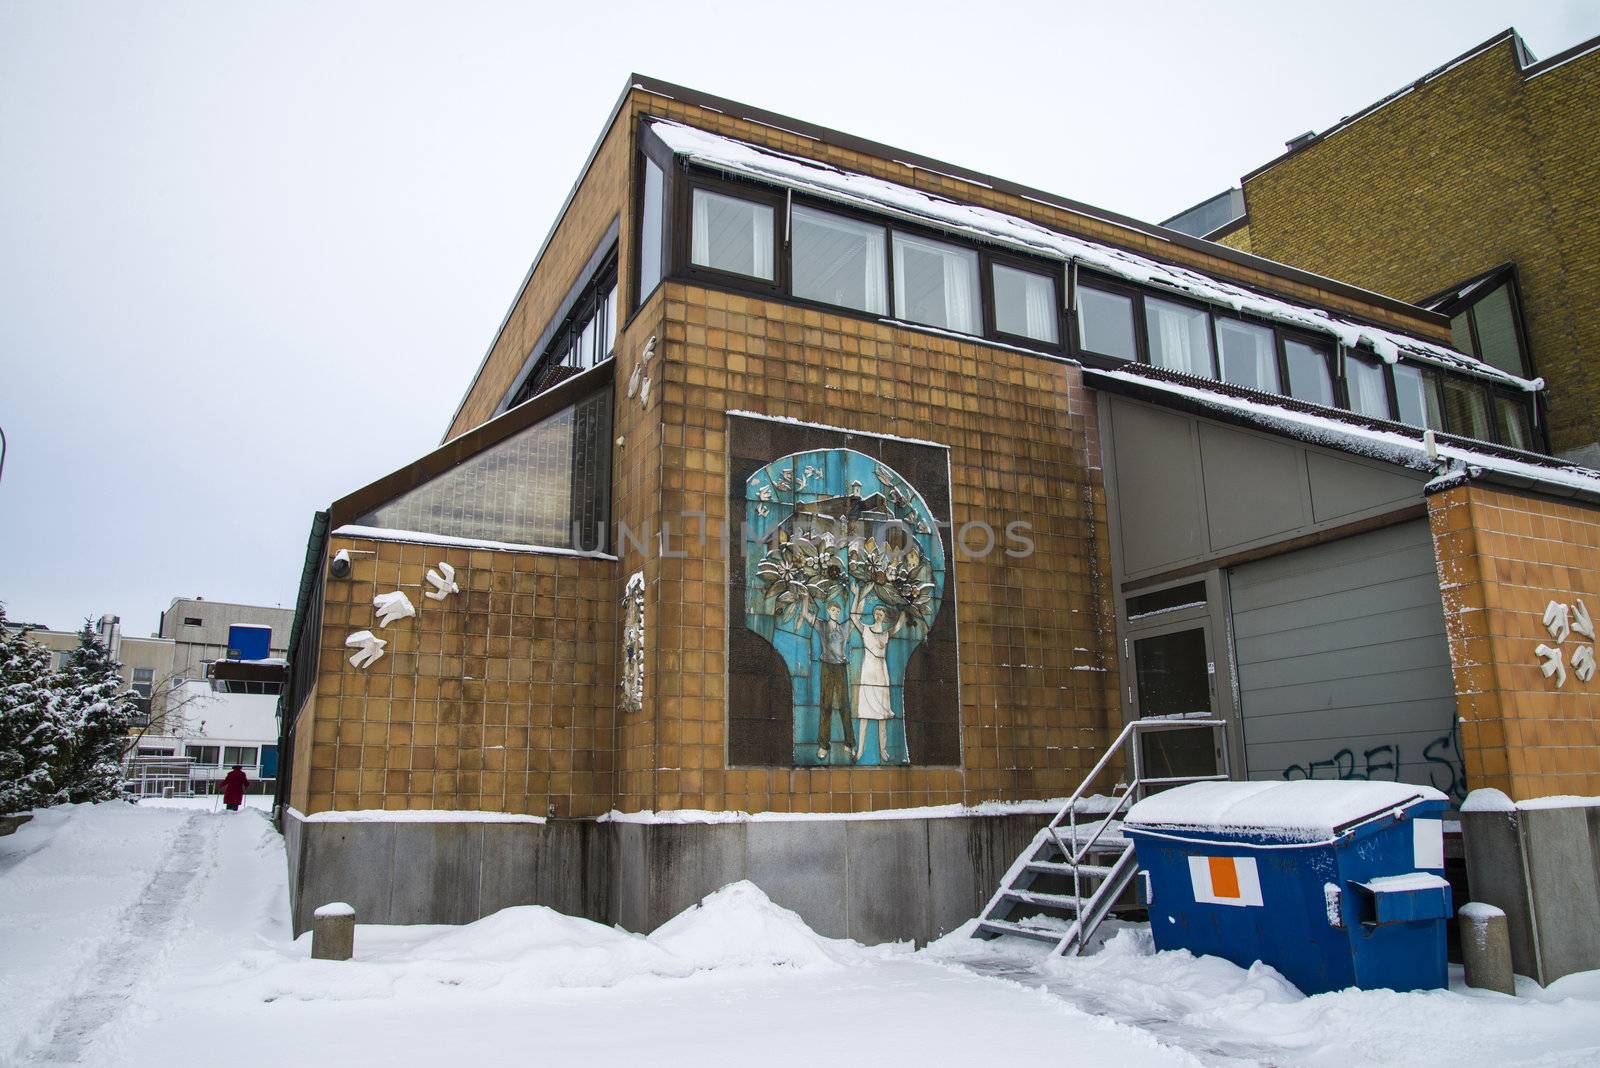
x: 807, y: 478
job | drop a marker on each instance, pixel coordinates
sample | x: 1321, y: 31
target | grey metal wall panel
x: 1254, y: 487
x: 1187, y: 489
x: 1159, y: 488
x: 1343, y: 666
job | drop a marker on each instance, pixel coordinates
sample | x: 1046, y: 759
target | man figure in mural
x: 833, y: 631
x: 874, y: 698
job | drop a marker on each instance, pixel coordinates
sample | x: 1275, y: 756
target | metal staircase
x: 1075, y: 873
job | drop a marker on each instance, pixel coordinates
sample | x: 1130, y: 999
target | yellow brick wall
x: 1502, y: 558
x: 501, y: 698
x: 1476, y: 168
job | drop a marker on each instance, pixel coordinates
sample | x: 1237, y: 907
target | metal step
x: 1056, y: 867
x: 1006, y: 927
x: 1039, y: 897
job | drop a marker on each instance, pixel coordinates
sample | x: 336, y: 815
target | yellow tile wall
x: 500, y: 698
x: 1502, y: 558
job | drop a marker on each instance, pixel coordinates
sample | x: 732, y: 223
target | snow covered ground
x: 158, y: 935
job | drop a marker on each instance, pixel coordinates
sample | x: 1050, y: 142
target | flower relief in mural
x: 845, y: 575
x: 633, y: 643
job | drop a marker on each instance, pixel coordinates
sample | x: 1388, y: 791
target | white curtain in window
x: 959, y: 310
x: 1041, y: 308
x: 701, y: 230
x: 1369, y: 394
x: 1178, y: 338
x: 876, y: 294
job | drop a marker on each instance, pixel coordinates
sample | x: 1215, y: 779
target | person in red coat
x: 233, y: 788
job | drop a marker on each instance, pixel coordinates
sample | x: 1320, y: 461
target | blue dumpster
x: 1335, y: 884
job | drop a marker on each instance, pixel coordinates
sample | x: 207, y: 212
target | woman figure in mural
x: 873, y: 698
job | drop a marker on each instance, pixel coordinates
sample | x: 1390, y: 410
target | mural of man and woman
x: 845, y: 576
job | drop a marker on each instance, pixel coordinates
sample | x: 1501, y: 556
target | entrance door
x: 1171, y: 670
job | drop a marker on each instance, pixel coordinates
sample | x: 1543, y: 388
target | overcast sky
x: 251, y: 254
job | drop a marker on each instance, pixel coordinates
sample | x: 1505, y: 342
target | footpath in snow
x: 154, y: 936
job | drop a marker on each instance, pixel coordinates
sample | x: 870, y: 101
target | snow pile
x: 739, y: 926
x: 1304, y: 807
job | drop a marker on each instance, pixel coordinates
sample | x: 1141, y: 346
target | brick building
x: 819, y: 511
x: 1473, y: 191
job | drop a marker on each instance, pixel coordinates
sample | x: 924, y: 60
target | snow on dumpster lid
x: 1302, y: 808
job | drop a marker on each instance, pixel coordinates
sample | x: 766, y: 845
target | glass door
x: 1170, y: 670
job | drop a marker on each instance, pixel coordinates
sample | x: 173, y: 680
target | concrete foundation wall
x: 1542, y: 867
x: 870, y: 880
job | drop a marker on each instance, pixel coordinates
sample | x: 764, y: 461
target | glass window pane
x: 1105, y: 323
x: 530, y: 489
x: 1511, y: 417
x: 587, y: 339
x: 1367, y: 385
x: 1497, y: 331
x: 611, y: 322
x: 1466, y: 409
x: 935, y: 283
x: 731, y: 234
x: 1418, y: 393
x: 1180, y: 337
x: 839, y: 261
x: 650, y: 236
x: 1461, y: 334
x: 1024, y: 304
x: 1248, y: 356
x: 1309, y: 379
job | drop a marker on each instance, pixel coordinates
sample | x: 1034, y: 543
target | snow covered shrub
x: 35, y: 740
x: 98, y: 717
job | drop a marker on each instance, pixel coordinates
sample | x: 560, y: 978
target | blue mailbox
x: 1335, y: 884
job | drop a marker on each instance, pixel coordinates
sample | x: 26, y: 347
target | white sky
x: 251, y: 254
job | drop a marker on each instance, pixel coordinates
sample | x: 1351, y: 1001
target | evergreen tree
x: 97, y: 713
x: 35, y: 742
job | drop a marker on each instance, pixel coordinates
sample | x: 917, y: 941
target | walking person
x: 233, y: 785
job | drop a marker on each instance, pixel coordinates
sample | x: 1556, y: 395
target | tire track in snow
x: 141, y: 937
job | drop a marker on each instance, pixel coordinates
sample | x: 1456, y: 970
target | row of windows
x: 760, y: 239
x: 1126, y: 323
x: 587, y: 337
x: 207, y: 756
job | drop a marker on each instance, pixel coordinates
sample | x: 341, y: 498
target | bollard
x: 333, y: 932
x: 1486, y: 947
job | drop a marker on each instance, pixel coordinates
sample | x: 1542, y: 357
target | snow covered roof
x: 1302, y: 807
x: 984, y: 224
x: 1456, y: 460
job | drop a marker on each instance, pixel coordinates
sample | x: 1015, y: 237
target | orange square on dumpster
x: 1225, y: 880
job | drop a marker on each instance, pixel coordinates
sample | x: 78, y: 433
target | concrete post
x: 1486, y: 947
x: 333, y: 932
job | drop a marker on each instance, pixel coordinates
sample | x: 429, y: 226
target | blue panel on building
x: 247, y: 641
x: 269, y: 762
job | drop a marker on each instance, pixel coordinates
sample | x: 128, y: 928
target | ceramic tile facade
x: 499, y: 698
x: 1503, y: 558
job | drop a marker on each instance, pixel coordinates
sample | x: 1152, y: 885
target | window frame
x: 683, y: 251
x: 786, y: 254
x: 991, y: 310
x: 1119, y: 288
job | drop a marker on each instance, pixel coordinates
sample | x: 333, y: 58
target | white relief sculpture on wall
x: 633, y: 643
x: 393, y: 606
x: 1557, y: 620
x: 1563, y: 621
x: 639, y: 380
x: 368, y: 646
x: 443, y: 582
x: 1583, y: 662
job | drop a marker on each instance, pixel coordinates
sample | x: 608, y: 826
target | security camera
x: 340, y: 568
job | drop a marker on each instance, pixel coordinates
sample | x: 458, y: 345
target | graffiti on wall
x: 1441, y: 765
x: 845, y: 577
